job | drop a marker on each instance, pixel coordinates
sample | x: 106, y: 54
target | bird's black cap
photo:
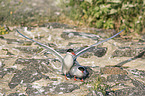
x: 70, y: 50
x: 81, y: 68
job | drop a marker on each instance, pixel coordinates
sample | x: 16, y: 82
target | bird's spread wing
x: 87, y: 48
x: 47, y: 47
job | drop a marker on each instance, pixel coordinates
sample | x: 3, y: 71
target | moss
x: 3, y: 30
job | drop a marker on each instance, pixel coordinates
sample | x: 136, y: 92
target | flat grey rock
x: 52, y: 89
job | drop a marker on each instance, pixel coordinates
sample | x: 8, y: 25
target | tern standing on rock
x: 69, y: 62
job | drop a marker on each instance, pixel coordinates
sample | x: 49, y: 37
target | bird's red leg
x: 66, y: 77
x: 82, y: 80
x: 75, y: 78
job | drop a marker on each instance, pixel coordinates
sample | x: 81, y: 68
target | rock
x: 87, y: 55
x: 33, y: 71
x: 95, y: 93
x: 138, y: 84
x: 117, y: 85
x: 92, y: 76
x: 99, y: 52
x: 127, y: 52
x: 24, y: 76
x: 68, y: 35
x: 138, y: 73
x: 51, y: 45
x: 62, y: 51
x: 4, y: 71
x: 65, y: 88
x: 16, y: 94
x: 51, y: 89
x: 1, y: 64
x: 129, y: 92
x: 17, y: 41
x: 113, y: 71
x: 32, y: 91
x: 29, y: 50
x: 96, y: 51
x: 13, y: 94
x: 7, y: 50
x: 9, y: 53
x: 58, y: 25
x: 117, y: 78
x: 38, y: 62
x: 40, y: 65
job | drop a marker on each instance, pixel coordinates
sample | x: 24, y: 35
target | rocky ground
x: 116, y: 67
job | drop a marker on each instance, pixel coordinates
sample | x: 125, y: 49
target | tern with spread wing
x: 69, y: 59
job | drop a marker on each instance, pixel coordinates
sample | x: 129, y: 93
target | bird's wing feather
x: 87, y: 48
x: 47, y: 47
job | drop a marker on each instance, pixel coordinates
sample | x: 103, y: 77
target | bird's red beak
x: 82, y: 71
x: 73, y: 53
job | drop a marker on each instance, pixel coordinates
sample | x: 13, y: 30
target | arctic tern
x: 79, y: 72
